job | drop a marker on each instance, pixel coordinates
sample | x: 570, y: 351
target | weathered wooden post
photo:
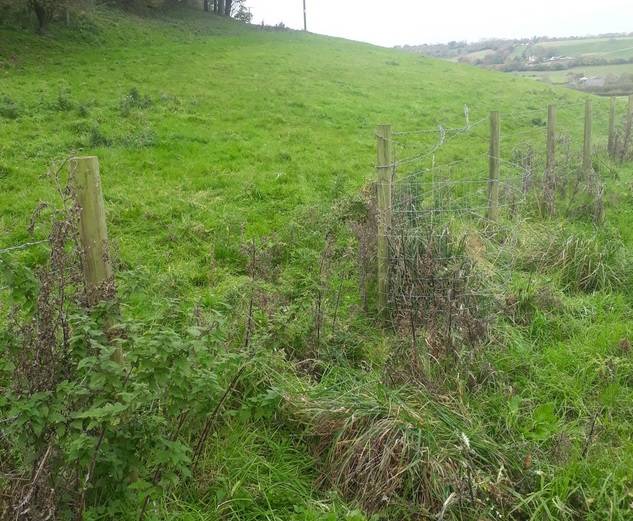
x: 611, y: 143
x: 93, y: 231
x: 587, y: 165
x: 623, y: 151
x: 385, y: 169
x: 494, y: 166
x: 549, y: 186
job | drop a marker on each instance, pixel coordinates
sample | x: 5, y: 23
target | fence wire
x: 447, y: 252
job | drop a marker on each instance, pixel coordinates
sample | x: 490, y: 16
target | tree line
x: 45, y: 11
x: 233, y: 8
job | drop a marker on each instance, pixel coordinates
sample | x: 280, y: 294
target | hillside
x: 257, y: 381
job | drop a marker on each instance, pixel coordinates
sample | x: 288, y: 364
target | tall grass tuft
x: 583, y: 262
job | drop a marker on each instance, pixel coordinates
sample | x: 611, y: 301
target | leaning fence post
x: 611, y: 144
x: 586, y: 150
x: 494, y: 166
x: 93, y: 231
x: 385, y: 168
x: 549, y: 186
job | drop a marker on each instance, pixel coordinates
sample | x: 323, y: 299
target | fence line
x: 415, y: 223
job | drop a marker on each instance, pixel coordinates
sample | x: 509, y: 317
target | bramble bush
x: 83, y: 428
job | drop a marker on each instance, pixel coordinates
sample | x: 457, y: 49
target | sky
x: 400, y: 22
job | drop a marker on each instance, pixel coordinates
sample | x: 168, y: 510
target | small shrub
x: 64, y: 103
x: 8, y: 108
x: 134, y: 100
x: 146, y: 137
x: 82, y: 111
x: 101, y: 409
x: 96, y: 138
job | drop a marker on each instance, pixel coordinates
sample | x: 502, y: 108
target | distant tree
x: 240, y: 12
x: 233, y: 8
x: 44, y: 11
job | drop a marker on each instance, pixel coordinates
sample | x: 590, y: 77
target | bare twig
x: 212, y: 417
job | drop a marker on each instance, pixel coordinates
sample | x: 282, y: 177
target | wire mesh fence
x: 456, y: 194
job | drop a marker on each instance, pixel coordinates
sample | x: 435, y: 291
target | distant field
x: 561, y: 77
x: 478, y: 55
x: 611, y: 47
x: 590, y: 49
x: 601, y: 58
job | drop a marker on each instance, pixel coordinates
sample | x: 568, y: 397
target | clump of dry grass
x: 407, y: 456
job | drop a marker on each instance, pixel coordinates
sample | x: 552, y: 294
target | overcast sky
x: 398, y: 22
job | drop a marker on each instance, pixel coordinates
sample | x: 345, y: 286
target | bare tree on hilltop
x: 232, y: 8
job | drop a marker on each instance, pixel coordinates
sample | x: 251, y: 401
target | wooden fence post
x: 611, y: 145
x: 494, y: 166
x: 93, y: 231
x: 587, y: 165
x: 385, y: 169
x: 549, y: 185
x: 623, y: 150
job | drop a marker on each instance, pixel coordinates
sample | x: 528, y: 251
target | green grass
x: 607, y: 48
x: 479, y: 55
x: 562, y: 77
x: 621, y: 47
x: 242, y: 130
x: 209, y: 133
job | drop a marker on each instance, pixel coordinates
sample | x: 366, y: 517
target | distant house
x: 595, y: 82
x: 559, y: 58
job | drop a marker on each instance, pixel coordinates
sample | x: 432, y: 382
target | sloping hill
x: 250, y: 107
x: 210, y: 134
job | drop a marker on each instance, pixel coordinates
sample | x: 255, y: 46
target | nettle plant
x: 83, y: 428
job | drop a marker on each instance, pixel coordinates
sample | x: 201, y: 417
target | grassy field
x: 479, y: 55
x: 562, y: 77
x: 606, y: 48
x: 620, y: 47
x: 209, y: 134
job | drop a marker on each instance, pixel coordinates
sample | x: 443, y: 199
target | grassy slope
x: 254, y: 133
